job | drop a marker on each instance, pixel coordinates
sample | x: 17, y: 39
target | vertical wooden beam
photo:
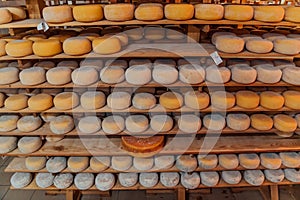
x: 69, y: 195
x: 274, y: 192
x: 181, y: 194
x: 193, y: 34
x: 35, y: 8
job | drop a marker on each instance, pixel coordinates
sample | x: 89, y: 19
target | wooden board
x: 174, y: 146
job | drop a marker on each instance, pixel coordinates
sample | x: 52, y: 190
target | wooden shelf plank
x: 173, y: 146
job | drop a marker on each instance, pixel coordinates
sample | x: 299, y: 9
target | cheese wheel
x: 243, y: 74
x: 92, y: 100
x: 8, y: 122
x: 32, y: 76
x: 106, y: 45
x: 112, y: 74
x: 89, y: 124
x: 222, y: 100
x: 58, y: 14
x: 35, y: 37
x: 230, y: 44
x: 191, y: 74
x: 29, y: 144
x: 2, y: 99
x: 179, y: 11
x: 290, y: 159
x: 149, y: 12
x: 134, y: 32
x: 99, y: 164
x: 171, y: 100
x: 6, y: 16
x: 291, y: 35
x: 40, y: 102
x: 121, y: 163
x: 19, y: 48
x: 270, y: 160
x: 169, y: 179
x: 161, y: 123
x: 238, y: 12
x: 2, y: 44
x: 228, y: 161
x: 18, y: 13
x: 143, y: 146
x: 285, y: 123
x: 165, y: 62
x: 268, y: 74
x: 271, y: 100
x: 9, y: 75
x: 16, y: 102
x: 231, y: 177
x: 63, y: 180
x: 119, y: 12
x: 247, y: 99
x: 292, y: 14
x: 7, y: 143
x: 148, y: 180
x: 128, y: 179
x: 163, y: 74
x: 258, y: 45
x: 44, y: 180
x: 88, y: 13
x: 207, y: 161
x: 290, y: 75
x: 220, y: 34
x: 273, y: 36
x: 20, y: 179
x: 287, y: 46
x: 61, y: 38
x: 138, y: 75
x: 209, y: 179
x: 70, y: 46
x: 119, y: 100
x: 143, y: 101
x: 56, y: 164
x: 274, y: 175
x: 217, y: 74
x: 268, y: 13
x: 292, y: 175
x: 297, y: 118
x: 196, y: 100
x: 35, y: 163
x: 190, y: 181
x: 254, y: 177
x: 261, y: 122
x: 78, y: 164
x: 84, y: 76
x: 189, y: 123
x: 98, y: 64
x: 59, y: 75
x: 214, y: 122
x: 143, y: 164
x: 29, y: 123
x: 239, y: 122
x: 209, y: 11
x: 66, y: 101
x: 54, y: 138
x: 61, y: 124
x: 113, y: 124
x: 84, y: 181
x: 247, y: 37
x: 291, y: 99
x: 45, y: 64
x: 47, y: 47
x: 249, y: 161
x: 164, y: 162
x: 136, y: 123
x: 186, y: 163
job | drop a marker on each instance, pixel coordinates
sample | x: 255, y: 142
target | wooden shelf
x: 173, y: 146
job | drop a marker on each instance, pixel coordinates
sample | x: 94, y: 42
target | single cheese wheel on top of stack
x: 2, y: 46
x: 161, y: 123
x: 59, y: 75
x: 40, y: 102
x: 249, y: 161
x: 78, y: 164
x: 239, y: 12
x: 84, y: 76
x: 196, y: 100
x: 179, y: 11
x: 149, y: 12
x: 35, y: 163
x: 70, y: 46
x: 247, y: 99
x: 58, y: 14
x: 106, y: 45
x: 270, y: 160
x: 217, y: 74
x: 66, y: 100
x: 16, y: 102
x: 238, y: 122
x: 18, y: 13
x: 88, y: 13
x: 119, y: 12
x: 292, y: 14
x: 271, y: 100
x: 19, y: 48
x: 29, y: 123
x: 61, y: 124
x: 243, y: 74
x: 259, y: 45
x: 171, y: 100
x: 268, y: 74
x: 230, y: 44
x: 228, y: 161
x: 291, y: 75
x: 209, y: 11
x: 268, y: 13
x: 222, y: 100
x: 261, y: 122
x: 92, y: 100
x: 47, y: 47
x: 291, y: 99
x: 7, y: 143
x: 32, y: 76
x: 285, y: 123
x: 288, y: 46
x: 29, y: 144
x: 6, y: 16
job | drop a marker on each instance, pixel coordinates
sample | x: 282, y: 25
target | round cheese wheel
x: 61, y: 38
x: 54, y: 138
x: 35, y: 163
x: 98, y: 64
x: 8, y: 122
x: 208, y: 161
x: 78, y: 164
x: 119, y: 12
x: 128, y: 179
x: 113, y: 124
x: 154, y: 32
x: 112, y: 74
x: 58, y: 14
x: 222, y: 100
x: 143, y: 164
x: 169, y: 179
x: 61, y: 124
x: 7, y: 143
x: 230, y: 44
x: 228, y: 161
x: 220, y: 34
x: 231, y: 177
x: 258, y: 45
x: 134, y: 32
x: 47, y: 47
x: 66, y: 100
x: 45, y: 64
x: 122, y: 37
x: 268, y: 74
x: 59, y: 75
x: 16, y: 102
x: 136, y: 123
x: 174, y: 32
x: 273, y: 36
x: 247, y: 99
x: 143, y: 101
x: 40, y: 102
x: 6, y: 16
x: 106, y: 45
x: 88, y: 13
x: 243, y: 74
x: 249, y: 160
x: 261, y: 122
x: 238, y: 12
x: 161, y: 123
x: 290, y: 159
x: 84, y: 76
x: 209, y: 11
x: 292, y: 14
x: 19, y: 48
x: 89, y: 124
x: 290, y: 75
x: 196, y: 100
x: 99, y: 164
x: 292, y: 175
x: 214, y: 122
x: 186, y: 163
x: 119, y: 100
x: 56, y: 164
x: 44, y: 180
x: 92, y: 100
x: 29, y: 144
x: 163, y: 74
x: 70, y: 46
x: 20, y: 179
x: 18, y: 13
x: 291, y: 98
x: 274, y: 175
x: 179, y: 11
x: 32, y: 76
x: 2, y: 43
x: 270, y: 160
x: 238, y: 122
x: 271, y: 100
x: 189, y: 123
x: 63, y: 180
x: 285, y: 123
x: 138, y: 75
x: 148, y: 180
x: 254, y: 177
x: 9, y: 75
x: 287, y: 46
x: 164, y: 162
x: 149, y: 12
x: 190, y: 181
x: 171, y: 100
x: 191, y: 74
x: 268, y: 13
x: 35, y: 37
x: 144, y: 146
x: 217, y: 74
x: 121, y: 163
x: 29, y: 123
x: 84, y: 181
x: 209, y: 179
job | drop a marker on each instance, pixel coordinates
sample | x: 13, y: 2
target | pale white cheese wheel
x: 217, y: 74
x: 112, y: 74
x: 128, y: 179
x: 29, y: 123
x: 148, y: 180
x: 292, y: 175
x: 274, y: 175
x: 186, y: 163
x: 99, y: 163
x: 243, y: 74
x: 208, y: 161
x: 20, y: 179
x: 268, y: 74
x: 270, y: 160
x: 59, y: 75
x: 209, y: 179
x: 254, y: 177
x: 239, y: 12
x: 231, y: 177
x: 78, y: 164
x: 29, y: 144
x: 138, y: 75
x: 113, y: 124
x: 8, y: 122
x: 209, y: 11
x: 288, y: 46
x: 149, y: 12
x: 119, y: 100
x: 249, y: 160
x: 58, y: 14
x: 62, y: 124
x: 98, y: 64
x: 84, y: 181
x: 8, y: 75
x: 238, y: 122
x: 32, y: 76
x: 44, y: 180
x: 179, y: 11
x: 56, y: 164
x: 169, y: 179
x: 228, y: 161
x: 136, y: 123
x: 84, y: 76
x: 119, y: 12
x: 290, y: 159
x: 161, y: 123
x: 164, y: 162
x: 191, y: 74
x: 89, y: 124
x: 7, y: 144
x: 143, y: 164
x: 121, y: 163
x: 190, y: 181
x: 268, y: 13
x: 214, y: 122
x: 143, y: 101
x: 63, y: 181
x: 292, y: 14
x: 291, y: 75
x: 163, y: 74
x: 259, y: 45
x: 189, y: 123
x: 230, y: 44
x: 92, y: 100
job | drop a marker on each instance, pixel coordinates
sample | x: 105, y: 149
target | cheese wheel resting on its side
x: 6, y: 16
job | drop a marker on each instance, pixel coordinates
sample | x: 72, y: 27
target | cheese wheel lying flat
x: 222, y: 100
x: 190, y: 181
x: 6, y: 16
x: 249, y: 161
x: 228, y: 161
x: 214, y: 122
x: 88, y: 13
x: 189, y: 123
x: 70, y: 46
x: 112, y: 74
x: 84, y: 181
x: 179, y: 11
x: 191, y: 74
x: 143, y: 101
x: 59, y: 75
x: 164, y: 74
x: 171, y: 100
x: 143, y: 146
x: 16, y: 102
x: 291, y: 99
x: 287, y: 46
x: 136, y: 123
x: 84, y: 76
x: 247, y: 99
x: 209, y: 11
x: 138, y: 75
x: 270, y: 160
x: 243, y: 74
x: 9, y: 75
x: 92, y: 100
x: 261, y: 122
x: 268, y: 74
x: 66, y: 100
x: 268, y: 13
x: 18, y: 13
x: 238, y: 121
x: 29, y: 144
x: 209, y: 179
x: 217, y: 74
x: 196, y: 100
x: 291, y: 75
x: 274, y: 175
x: 161, y: 123
x: 20, y: 179
x: 186, y: 163
x: 98, y: 164
x: 113, y: 124
x: 254, y: 177
x: 285, y: 123
x: 290, y: 159
x: 106, y: 45
x: 32, y: 76
x: 7, y: 143
x: 258, y: 45
x: 154, y: 32
x: 40, y: 102
x: 149, y: 12
x: 271, y: 100
x: 119, y: 100
x: 230, y: 44
x: 128, y: 179
x: 35, y: 163
x: 61, y: 124
x: 238, y: 12
x: 47, y: 47
x: 119, y: 12
x: 220, y: 34
x: 292, y: 14
x: 29, y: 123
x: 19, y: 48
x: 89, y: 124
x: 58, y: 14
x: 134, y: 32
x: 78, y: 164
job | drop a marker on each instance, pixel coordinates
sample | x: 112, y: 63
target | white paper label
x: 216, y: 57
x: 42, y: 26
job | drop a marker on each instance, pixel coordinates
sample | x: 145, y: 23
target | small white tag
x: 215, y: 56
x: 3, y: 157
x: 42, y: 26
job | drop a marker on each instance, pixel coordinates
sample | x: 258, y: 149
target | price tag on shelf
x: 42, y: 26
x: 216, y: 57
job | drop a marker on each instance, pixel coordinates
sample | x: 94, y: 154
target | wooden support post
x: 180, y: 194
x: 193, y: 34
x: 35, y: 8
x: 274, y: 192
x: 69, y: 195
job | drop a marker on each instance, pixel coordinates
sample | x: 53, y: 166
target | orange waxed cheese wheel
x: 18, y: 13
x: 76, y: 46
x: 19, y: 48
x: 106, y: 45
x: 88, y: 13
x: 47, y: 47
x: 149, y: 12
x: 6, y: 16
x: 209, y: 11
x: 2, y: 47
x: 179, y: 11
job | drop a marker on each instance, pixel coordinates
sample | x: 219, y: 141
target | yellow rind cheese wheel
x: 88, y: 13
x: 179, y: 11
x: 47, y: 47
x: 19, y: 48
